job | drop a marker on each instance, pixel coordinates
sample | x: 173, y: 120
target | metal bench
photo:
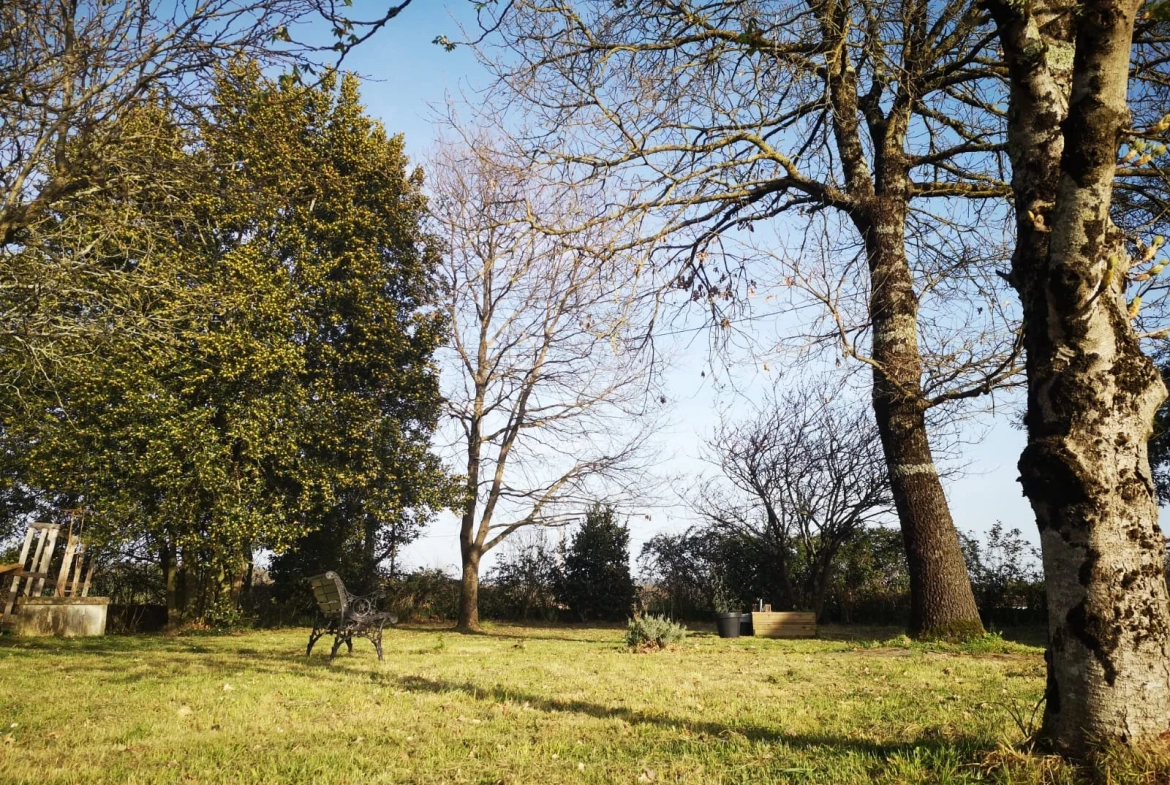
x: 344, y: 615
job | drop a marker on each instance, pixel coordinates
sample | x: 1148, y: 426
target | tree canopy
x: 288, y: 386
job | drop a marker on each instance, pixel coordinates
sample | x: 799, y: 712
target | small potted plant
x: 727, y: 614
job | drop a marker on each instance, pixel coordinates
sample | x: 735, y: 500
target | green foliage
x: 281, y: 381
x: 653, y: 632
x: 723, y: 600
x: 423, y: 595
x: 707, y: 568
x: 1006, y: 577
x: 523, y: 581
x: 596, y: 582
x: 871, y: 582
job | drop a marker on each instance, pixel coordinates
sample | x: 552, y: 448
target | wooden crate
x: 784, y: 625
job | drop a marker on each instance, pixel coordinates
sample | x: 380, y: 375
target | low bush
x: 653, y: 632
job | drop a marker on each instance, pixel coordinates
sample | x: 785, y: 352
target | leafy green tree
x: 75, y: 79
x: 348, y: 213
x: 293, y: 391
x: 595, y: 581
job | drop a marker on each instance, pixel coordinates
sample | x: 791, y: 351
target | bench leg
x: 314, y: 636
x: 337, y: 641
x: 376, y: 638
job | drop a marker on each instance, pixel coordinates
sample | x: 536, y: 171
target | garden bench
x: 30, y: 576
x: 344, y: 615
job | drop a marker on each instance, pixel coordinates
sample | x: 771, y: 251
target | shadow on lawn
x: 507, y: 633
x: 966, y: 747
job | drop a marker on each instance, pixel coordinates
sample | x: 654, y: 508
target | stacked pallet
x: 784, y: 625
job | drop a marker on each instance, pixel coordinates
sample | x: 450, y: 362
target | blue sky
x: 406, y: 75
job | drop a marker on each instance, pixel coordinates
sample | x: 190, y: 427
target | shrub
x: 595, y: 583
x: 653, y: 632
x: 523, y: 581
x: 423, y: 595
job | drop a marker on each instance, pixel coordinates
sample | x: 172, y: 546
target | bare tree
x: 1092, y: 393
x: 719, y: 116
x: 546, y: 385
x: 802, y: 477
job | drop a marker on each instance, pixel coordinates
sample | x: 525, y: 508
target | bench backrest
x: 330, y: 593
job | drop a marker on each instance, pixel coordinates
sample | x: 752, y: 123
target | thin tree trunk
x: 1092, y: 394
x: 369, y: 552
x: 942, y: 604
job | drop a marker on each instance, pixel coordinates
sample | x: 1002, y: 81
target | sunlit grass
x: 516, y: 705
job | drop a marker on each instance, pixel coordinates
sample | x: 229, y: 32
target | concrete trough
x: 63, y: 617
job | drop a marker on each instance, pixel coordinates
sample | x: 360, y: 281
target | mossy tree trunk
x: 1092, y: 394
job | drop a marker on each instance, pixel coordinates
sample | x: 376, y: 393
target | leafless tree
x: 719, y: 116
x: 546, y: 384
x: 801, y: 478
x: 1092, y: 393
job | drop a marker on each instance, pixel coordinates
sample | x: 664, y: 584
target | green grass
x: 519, y: 705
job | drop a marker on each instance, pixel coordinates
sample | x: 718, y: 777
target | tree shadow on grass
x: 508, y: 633
x: 967, y: 747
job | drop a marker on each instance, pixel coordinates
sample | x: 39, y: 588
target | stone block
x: 63, y: 617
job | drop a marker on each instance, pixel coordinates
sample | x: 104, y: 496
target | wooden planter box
x: 784, y: 625
x: 63, y: 617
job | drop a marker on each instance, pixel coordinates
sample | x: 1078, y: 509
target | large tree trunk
x: 469, y: 591
x: 941, y: 601
x: 1092, y: 394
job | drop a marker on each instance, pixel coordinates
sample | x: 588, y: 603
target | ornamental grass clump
x: 649, y: 633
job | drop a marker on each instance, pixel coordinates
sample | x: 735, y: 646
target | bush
x: 423, y: 595
x: 522, y: 583
x: 1006, y: 578
x: 653, y: 632
x: 595, y: 583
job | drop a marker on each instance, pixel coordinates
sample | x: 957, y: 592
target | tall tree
x: 295, y: 390
x: 1092, y: 393
x: 720, y: 116
x: 546, y: 387
x: 338, y: 204
x: 72, y: 74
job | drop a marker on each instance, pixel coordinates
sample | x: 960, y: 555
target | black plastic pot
x: 728, y: 624
x: 745, y: 625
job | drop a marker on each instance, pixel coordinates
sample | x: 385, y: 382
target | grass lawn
x: 518, y: 705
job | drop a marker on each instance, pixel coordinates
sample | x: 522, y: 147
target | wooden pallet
x: 784, y: 625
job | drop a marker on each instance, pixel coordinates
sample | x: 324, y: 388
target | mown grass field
x: 520, y: 705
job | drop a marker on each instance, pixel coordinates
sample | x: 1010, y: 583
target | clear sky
x: 406, y: 75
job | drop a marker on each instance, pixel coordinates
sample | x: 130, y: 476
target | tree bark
x: 942, y: 604
x: 469, y: 591
x: 1092, y: 394
x: 168, y: 562
x: 941, y: 601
